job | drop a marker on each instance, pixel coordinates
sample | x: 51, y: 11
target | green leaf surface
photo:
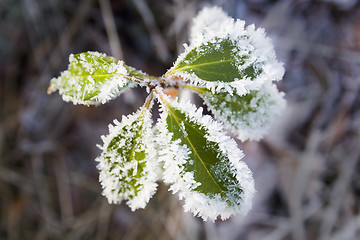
x: 205, y: 157
x: 218, y: 60
x: 249, y: 116
x: 206, y: 160
x: 93, y: 78
x: 128, y: 169
x: 224, y: 54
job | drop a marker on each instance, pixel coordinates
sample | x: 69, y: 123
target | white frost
x: 209, y: 19
x: 73, y: 86
x: 116, y: 171
x: 263, y: 109
x: 174, y: 155
x: 213, y: 24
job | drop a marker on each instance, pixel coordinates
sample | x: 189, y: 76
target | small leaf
x: 202, y: 163
x: 248, y: 116
x: 93, y: 78
x: 128, y: 167
x: 227, y: 56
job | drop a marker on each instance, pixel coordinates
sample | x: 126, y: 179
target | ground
x: 306, y: 169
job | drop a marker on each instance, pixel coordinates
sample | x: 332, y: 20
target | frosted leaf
x: 226, y: 56
x: 201, y: 163
x: 248, y: 116
x: 93, y: 78
x: 208, y: 19
x: 128, y: 165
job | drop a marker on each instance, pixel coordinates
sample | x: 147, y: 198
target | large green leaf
x: 224, y: 55
x: 202, y: 163
x: 93, y: 78
x: 217, y: 60
x: 128, y: 167
x: 248, y: 116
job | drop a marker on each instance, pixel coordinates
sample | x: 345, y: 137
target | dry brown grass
x: 306, y: 170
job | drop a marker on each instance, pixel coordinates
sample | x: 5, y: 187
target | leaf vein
x: 196, y: 152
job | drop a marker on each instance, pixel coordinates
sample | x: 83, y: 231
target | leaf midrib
x: 132, y: 151
x: 201, y: 64
x: 102, y: 75
x: 194, y: 150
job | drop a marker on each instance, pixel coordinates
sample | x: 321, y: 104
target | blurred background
x: 306, y: 169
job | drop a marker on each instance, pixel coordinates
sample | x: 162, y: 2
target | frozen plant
x: 230, y: 66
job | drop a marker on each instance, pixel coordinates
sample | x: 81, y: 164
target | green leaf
x: 226, y: 56
x: 128, y: 167
x: 202, y: 163
x: 93, y: 78
x: 248, y: 116
x: 218, y: 60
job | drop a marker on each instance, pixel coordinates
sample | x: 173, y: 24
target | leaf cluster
x: 232, y: 68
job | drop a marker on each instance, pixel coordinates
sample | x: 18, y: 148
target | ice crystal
x: 248, y: 116
x: 232, y: 67
x: 128, y: 167
x: 209, y: 19
x: 92, y: 78
x: 206, y: 154
x: 226, y: 55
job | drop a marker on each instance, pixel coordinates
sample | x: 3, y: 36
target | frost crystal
x: 232, y: 67
x: 92, y: 78
x: 224, y: 55
x: 249, y: 116
x: 128, y: 165
x: 203, y: 166
x: 209, y: 19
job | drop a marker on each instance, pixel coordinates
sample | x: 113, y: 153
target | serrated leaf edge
x: 173, y: 155
x: 152, y: 168
x: 118, y: 82
x: 262, y: 50
x: 260, y: 121
x: 209, y: 17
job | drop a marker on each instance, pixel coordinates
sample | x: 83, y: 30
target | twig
x: 157, y: 40
x: 44, y: 198
x: 103, y: 220
x: 111, y: 31
x: 350, y: 230
x: 337, y: 195
x: 64, y: 189
x: 299, y: 185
